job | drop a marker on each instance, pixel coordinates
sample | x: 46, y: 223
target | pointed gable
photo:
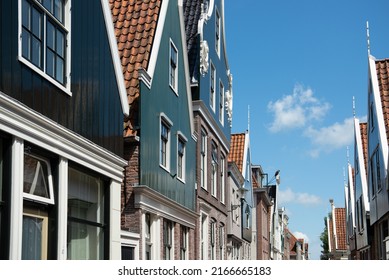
x: 382, y: 68
x: 237, y: 149
x: 363, y: 130
x: 135, y: 24
x: 340, y: 227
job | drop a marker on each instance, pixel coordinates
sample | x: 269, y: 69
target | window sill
x: 173, y: 89
x: 44, y: 75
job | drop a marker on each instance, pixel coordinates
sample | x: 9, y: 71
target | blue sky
x: 297, y: 65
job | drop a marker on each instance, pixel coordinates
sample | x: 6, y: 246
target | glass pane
x: 85, y: 197
x: 60, y: 44
x: 60, y: 70
x: 58, y: 10
x: 26, y: 15
x: 85, y: 242
x: 48, y: 5
x: 35, y: 176
x: 36, y: 23
x: 50, y: 63
x: 26, y: 44
x: 36, y: 52
x: 50, y: 35
x: 128, y: 253
x: 32, y: 238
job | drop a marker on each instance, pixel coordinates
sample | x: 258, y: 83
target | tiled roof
x: 237, y: 149
x: 192, y: 12
x: 135, y: 23
x: 340, y: 224
x: 363, y: 129
x: 382, y: 68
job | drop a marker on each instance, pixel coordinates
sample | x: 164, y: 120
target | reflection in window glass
x: 85, y: 216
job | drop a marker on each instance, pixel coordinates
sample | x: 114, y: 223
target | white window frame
x: 221, y: 102
x: 66, y: 26
x: 33, y: 197
x: 217, y: 31
x: 222, y: 179
x: 167, y: 122
x: 221, y: 241
x: 168, y: 246
x: 214, y: 171
x: 184, y: 140
x: 173, y: 69
x: 203, y: 160
x: 204, y: 236
x: 213, y: 239
x: 212, y: 88
x: 184, y: 238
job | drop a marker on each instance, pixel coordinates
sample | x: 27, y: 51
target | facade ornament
x: 229, y: 98
x: 204, y: 57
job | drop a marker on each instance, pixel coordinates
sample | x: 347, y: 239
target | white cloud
x: 297, y: 109
x: 301, y: 235
x: 288, y: 196
x: 331, y: 137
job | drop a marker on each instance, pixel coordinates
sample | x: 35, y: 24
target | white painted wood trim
x: 62, y: 208
x: 117, y: 65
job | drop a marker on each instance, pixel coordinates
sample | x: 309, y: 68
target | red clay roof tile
x: 237, y: 149
x: 135, y: 23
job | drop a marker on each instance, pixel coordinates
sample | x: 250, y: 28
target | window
x: 164, y: 157
x: 361, y: 213
x: 222, y: 179
x: 128, y: 253
x: 371, y: 116
x: 37, y: 195
x: 44, y: 39
x: 204, y: 237
x: 378, y: 170
x: 248, y: 215
x: 184, y: 243
x: 217, y: 32
x: 213, y: 240
x: 214, y: 170
x: 38, y: 182
x: 203, y: 163
x: 221, y: 103
x: 221, y: 241
x: 167, y: 239
x: 86, y: 216
x: 212, y: 87
x: 148, y: 236
x: 181, y: 157
x: 375, y: 172
x: 173, y: 67
x: 2, y: 202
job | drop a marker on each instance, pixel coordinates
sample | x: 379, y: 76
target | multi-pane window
x: 181, y: 158
x: 184, y: 243
x: 221, y: 103
x: 221, y: 241
x: 87, y: 229
x: 167, y: 239
x: 217, y: 32
x: 214, y: 170
x: 203, y: 160
x: 164, y: 144
x: 212, y: 87
x: 173, y: 72
x: 44, y: 37
x: 222, y: 179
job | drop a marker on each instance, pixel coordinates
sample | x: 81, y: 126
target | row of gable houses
x: 367, y: 198
x: 115, y: 137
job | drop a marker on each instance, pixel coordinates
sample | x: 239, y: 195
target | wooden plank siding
x: 94, y: 109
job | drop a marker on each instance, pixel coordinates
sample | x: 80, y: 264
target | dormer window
x: 44, y: 38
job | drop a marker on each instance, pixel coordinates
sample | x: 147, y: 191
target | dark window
x: 167, y: 239
x: 128, y: 253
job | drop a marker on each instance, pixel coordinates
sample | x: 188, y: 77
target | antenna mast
x: 368, y: 37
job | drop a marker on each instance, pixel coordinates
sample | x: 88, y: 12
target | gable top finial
x: 368, y: 37
x: 354, y: 106
x: 248, y: 118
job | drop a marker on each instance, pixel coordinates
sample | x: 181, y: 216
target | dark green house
x: 158, y: 196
